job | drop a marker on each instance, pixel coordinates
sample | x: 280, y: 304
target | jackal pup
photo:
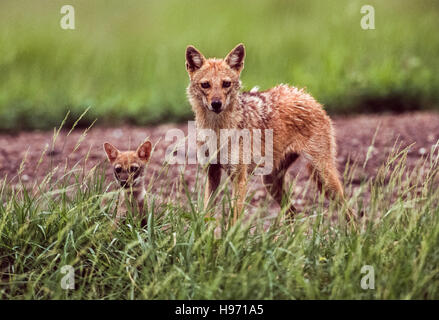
x: 128, y: 169
x: 299, y: 124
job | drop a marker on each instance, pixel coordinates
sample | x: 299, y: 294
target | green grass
x: 64, y: 221
x: 126, y: 60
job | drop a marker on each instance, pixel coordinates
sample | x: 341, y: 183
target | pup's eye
x: 118, y: 169
x: 133, y: 169
x: 226, y: 84
x: 205, y: 85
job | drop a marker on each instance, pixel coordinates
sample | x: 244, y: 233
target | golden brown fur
x: 299, y: 123
x: 128, y: 169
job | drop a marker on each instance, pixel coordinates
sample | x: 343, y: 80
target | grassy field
x: 126, y: 60
x: 65, y: 221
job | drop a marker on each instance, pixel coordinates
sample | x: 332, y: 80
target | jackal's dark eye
x: 118, y: 169
x: 226, y: 84
x: 205, y: 85
x: 133, y: 169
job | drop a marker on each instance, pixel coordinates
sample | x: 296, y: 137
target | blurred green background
x: 126, y: 59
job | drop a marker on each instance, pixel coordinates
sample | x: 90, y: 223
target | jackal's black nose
x: 216, y: 106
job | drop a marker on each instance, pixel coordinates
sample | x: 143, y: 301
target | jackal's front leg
x: 213, y: 181
x: 239, y: 191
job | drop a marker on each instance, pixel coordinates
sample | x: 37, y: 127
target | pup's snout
x: 216, y: 106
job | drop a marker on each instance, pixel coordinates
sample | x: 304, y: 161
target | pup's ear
x: 111, y: 151
x: 144, y: 151
x: 194, y: 59
x: 235, y: 58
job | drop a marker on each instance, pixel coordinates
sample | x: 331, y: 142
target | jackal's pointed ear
x: 111, y: 151
x: 194, y: 59
x: 235, y: 58
x: 144, y: 151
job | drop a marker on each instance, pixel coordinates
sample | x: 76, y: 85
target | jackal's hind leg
x: 325, y: 174
x: 274, y: 182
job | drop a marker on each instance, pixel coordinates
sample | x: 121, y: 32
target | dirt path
x: 354, y: 136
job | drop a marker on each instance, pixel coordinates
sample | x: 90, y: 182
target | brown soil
x: 354, y: 136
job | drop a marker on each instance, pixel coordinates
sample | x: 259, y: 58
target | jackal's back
x: 282, y: 108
